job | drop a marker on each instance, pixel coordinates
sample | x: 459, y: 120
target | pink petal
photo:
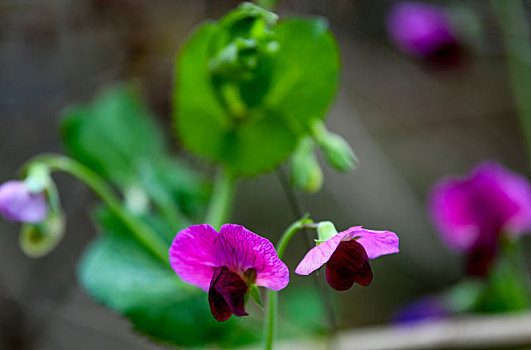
x: 319, y: 255
x: 376, y: 243
x: 491, y: 200
x: 240, y: 249
x: 193, y: 255
x: 18, y: 204
x: 453, y: 215
x: 517, y: 191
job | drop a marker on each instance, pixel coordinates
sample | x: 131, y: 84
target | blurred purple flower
x: 472, y: 213
x: 226, y: 264
x: 18, y: 204
x: 426, y: 309
x: 424, y: 31
x: 347, y: 255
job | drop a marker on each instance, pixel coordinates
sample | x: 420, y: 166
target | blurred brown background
x: 409, y: 124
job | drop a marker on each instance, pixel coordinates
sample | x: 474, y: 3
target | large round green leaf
x: 289, y: 88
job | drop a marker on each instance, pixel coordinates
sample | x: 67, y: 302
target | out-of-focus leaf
x: 303, y: 308
x: 506, y: 288
x: 122, y: 275
x: 171, y: 183
x: 113, y: 134
x: 275, y: 105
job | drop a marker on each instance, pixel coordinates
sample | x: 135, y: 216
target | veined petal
x: 319, y: 255
x: 193, y: 255
x: 240, y: 249
x: 376, y: 243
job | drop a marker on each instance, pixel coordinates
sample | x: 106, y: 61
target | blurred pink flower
x: 347, y: 255
x: 226, y: 264
x: 472, y: 213
x: 18, y: 204
x: 424, y: 31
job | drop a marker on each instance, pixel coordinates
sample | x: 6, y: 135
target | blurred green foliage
x: 246, y: 89
x: 107, y: 136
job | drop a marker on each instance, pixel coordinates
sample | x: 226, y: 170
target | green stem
x: 143, y: 233
x: 272, y: 302
x: 221, y: 201
x: 272, y: 296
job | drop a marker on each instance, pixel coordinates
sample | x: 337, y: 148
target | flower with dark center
x: 226, y: 265
x: 473, y: 213
x: 424, y: 31
x: 346, y: 255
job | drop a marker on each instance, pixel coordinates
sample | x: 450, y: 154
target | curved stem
x: 272, y: 296
x: 143, y: 233
x: 288, y: 234
x: 221, y: 201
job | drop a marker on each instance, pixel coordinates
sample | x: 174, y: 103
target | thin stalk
x: 220, y: 204
x: 297, y: 210
x: 272, y: 296
x: 515, y: 30
x: 270, y: 334
x: 143, y: 233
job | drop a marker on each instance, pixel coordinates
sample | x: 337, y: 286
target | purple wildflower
x: 426, y: 309
x: 424, y: 31
x: 347, y: 255
x: 18, y: 204
x: 226, y: 264
x: 472, y: 213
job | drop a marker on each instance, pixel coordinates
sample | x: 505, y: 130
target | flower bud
x: 17, y: 203
x: 325, y: 231
x: 245, y: 35
x: 37, y: 240
x: 336, y: 150
x: 305, y: 171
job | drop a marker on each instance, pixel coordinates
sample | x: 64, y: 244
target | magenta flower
x: 422, y: 30
x: 347, y: 255
x: 18, y: 204
x: 226, y: 264
x: 471, y: 214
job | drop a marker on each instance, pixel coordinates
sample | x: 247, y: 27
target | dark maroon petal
x: 218, y: 306
x: 348, y: 265
x: 479, y: 259
x: 364, y: 275
x: 226, y: 294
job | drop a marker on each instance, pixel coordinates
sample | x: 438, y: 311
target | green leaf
x: 305, y: 74
x: 252, y: 124
x: 112, y: 134
x: 119, y: 273
x: 255, y: 294
x: 303, y: 311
